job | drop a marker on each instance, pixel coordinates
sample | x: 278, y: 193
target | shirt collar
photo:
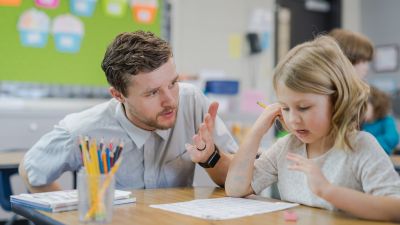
x: 138, y: 135
x: 163, y: 133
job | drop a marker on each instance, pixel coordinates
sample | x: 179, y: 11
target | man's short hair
x: 132, y: 53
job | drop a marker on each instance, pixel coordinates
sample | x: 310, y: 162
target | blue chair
x: 6, y: 191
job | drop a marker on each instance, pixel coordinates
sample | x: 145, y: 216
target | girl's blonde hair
x: 320, y: 67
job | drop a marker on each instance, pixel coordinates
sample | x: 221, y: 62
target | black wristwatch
x: 212, y: 161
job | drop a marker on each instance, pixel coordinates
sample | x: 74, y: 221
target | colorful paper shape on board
x: 83, y: 7
x: 49, y: 4
x: 144, y: 11
x: 68, y: 31
x: 265, y: 38
x: 33, y: 26
x: 10, y: 2
x: 115, y: 8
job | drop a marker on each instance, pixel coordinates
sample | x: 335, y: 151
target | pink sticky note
x: 290, y: 216
x: 248, y: 102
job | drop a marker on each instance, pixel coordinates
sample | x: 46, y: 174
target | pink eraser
x: 290, y: 216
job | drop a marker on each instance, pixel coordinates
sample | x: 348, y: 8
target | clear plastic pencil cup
x: 96, y: 197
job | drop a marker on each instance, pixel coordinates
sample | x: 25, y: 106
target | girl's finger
x: 293, y: 158
x: 297, y: 157
x: 297, y: 167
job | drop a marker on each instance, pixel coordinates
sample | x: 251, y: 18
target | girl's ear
x: 116, y: 94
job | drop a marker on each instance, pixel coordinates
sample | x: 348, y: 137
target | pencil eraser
x: 290, y: 216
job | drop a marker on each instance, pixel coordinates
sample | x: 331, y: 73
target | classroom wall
x: 351, y: 15
x: 200, y: 40
x: 379, y: 21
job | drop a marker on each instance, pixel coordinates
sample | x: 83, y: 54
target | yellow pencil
x: 94, y: 157
x: 103, y: 189
x: 262, y: 104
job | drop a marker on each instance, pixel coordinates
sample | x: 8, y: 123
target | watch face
x: 212, y: 161
x: 215, y: 159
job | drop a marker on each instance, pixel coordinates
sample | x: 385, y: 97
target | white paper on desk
x: 224, y: 208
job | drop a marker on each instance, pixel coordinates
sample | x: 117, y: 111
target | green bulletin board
x: 49, y: 66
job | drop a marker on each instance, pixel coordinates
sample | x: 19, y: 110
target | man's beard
x: 154, y: 122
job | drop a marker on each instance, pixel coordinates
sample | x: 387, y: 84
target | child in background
x: 325, y: 161
x: 378, y: 122
x: 357, y: 47
x: 360, y: 50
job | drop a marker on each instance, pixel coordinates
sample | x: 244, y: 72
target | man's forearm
x: 51, y: 187
x: 34, y: 189
x: 219, y: 172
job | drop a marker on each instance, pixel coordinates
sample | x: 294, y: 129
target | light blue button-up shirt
x: 151, y: 159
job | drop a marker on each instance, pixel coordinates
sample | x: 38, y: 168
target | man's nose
x: 168, y: 98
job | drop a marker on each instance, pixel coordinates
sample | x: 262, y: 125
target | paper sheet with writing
x: 224, y: 208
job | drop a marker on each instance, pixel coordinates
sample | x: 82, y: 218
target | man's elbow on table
x: 34, y: 189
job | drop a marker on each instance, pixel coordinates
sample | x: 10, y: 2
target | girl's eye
x: 285, y: 108
x: 303, y: 108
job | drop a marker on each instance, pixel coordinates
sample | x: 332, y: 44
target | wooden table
x: 141, y: 213
x: 10, y: 159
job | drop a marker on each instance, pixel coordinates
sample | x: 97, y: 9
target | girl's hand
x: 316, y: 180
x: 267, y: 118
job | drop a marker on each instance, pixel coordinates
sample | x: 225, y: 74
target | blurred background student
x: 379, y: 122
x: 360, y: 51
x: 357, y: 47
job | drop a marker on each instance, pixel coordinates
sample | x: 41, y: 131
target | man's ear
x: 116, y: 94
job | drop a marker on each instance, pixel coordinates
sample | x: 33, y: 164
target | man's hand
x: 203, y: 142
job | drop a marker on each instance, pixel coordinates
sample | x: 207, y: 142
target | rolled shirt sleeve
x: 56, y: 152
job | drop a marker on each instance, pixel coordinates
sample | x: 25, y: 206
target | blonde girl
x: 326, y: 161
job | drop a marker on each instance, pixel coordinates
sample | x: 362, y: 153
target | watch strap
x: 212, y: 160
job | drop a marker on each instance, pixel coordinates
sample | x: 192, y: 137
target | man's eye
x: 153, y: 93
x: 173, y: 84
x: 303, y: 108
x: 285, y: 108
